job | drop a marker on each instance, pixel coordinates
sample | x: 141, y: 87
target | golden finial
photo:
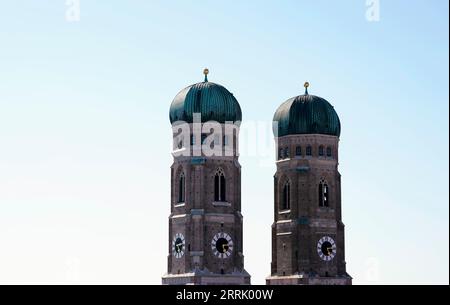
x: 306, y: 87
x: 206, y: 72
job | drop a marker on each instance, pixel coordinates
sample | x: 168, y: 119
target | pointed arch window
x: 286, y: 197
x: 321, y: 153
x: 280, y: 153
x: 219, y: 186
x: 324, y: 194
x: 181, y: 188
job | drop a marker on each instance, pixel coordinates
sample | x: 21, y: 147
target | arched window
x: 219, y: 186
x: 286, y: 197
x: 298, y: 151
x: 182, y: 188
x: 321, y: 151
x: 280, y: 153
x: 324, y: 194
x: 286, y: 152
x: 328, y: 151
x: 308, y: 150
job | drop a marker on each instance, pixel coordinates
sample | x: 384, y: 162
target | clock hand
x: 223, y: 247
x: 329, y: 250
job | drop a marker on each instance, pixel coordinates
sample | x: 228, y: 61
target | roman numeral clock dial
x: 178, y: 244
x: 326, y: 248
x: 222, y: 245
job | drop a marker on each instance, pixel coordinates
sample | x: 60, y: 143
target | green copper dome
x: 214, y: 102
x: 306, y: 114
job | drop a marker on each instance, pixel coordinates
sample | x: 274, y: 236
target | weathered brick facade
x: 298, y: 228
x: 199, y: 218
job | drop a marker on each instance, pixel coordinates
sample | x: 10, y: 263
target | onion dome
x: 213, y: 101
x: 306, y: 114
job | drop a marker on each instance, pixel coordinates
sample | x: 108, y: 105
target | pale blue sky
x: 85, y: 135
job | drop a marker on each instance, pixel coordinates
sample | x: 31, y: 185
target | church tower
x: 205, y: 224
x: 307, y: 233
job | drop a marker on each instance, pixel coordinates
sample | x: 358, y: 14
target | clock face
x: 326, y: 248
x: 178, y: 243
x: 222, y: 245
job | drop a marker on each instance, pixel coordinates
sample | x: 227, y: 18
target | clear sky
x: 85, y: 136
